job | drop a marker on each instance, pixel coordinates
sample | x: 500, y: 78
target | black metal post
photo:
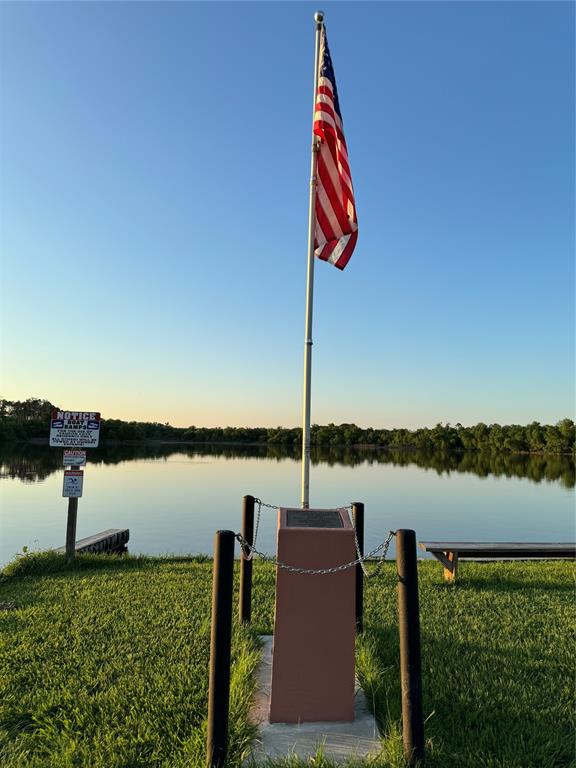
x: 245, y: 605
x: 220, y: 648
x: 410, y: 661
x: 358, y: 518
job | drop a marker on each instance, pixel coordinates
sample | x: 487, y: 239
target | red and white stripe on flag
x: 336, y: 227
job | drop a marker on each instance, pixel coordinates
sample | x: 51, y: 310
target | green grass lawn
x: 105, y: 665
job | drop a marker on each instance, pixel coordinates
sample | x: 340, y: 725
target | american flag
x: 336, y: 230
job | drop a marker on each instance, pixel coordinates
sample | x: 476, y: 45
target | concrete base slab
x: 339, y: 741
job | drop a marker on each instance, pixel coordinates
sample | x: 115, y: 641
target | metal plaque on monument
x: 314, y: 629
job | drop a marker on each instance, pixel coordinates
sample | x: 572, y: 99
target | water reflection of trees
x: 30, y: 463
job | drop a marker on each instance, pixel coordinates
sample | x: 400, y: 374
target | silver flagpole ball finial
x: 319, y: 17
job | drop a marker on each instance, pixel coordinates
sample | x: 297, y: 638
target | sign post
x: 72, y: 517
x: 73, y: 431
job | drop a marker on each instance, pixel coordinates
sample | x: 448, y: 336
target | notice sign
x: 73, y: 481
x: 74, y: 429
x: 74, y: 457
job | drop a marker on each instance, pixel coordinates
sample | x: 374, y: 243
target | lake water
x: 173, y: 498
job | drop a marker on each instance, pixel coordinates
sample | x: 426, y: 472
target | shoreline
x: 43, y: 442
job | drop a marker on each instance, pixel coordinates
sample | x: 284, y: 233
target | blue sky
x: 154, y: 175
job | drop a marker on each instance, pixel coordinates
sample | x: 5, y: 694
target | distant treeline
x: 21, y: 421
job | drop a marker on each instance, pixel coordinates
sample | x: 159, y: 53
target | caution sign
x: 74, y: 457
x: 73, y: 482
x: 74, y: 429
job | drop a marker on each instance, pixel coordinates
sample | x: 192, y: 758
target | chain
x: 283, y: 506
x: 383, y: 548
x: 258, y: 514
x: 263, y: 504
x: 248, y: 551
x: 380, y: 559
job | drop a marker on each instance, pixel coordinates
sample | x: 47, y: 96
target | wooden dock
x: 110, y: 540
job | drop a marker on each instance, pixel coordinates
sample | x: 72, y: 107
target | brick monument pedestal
x: 315, y: 627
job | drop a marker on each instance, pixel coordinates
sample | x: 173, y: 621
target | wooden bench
x: 449, y: 552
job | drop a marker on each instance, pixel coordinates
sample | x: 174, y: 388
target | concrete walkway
x: 339, y: 741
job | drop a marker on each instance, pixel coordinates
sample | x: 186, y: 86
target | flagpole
x: 319, y: 19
